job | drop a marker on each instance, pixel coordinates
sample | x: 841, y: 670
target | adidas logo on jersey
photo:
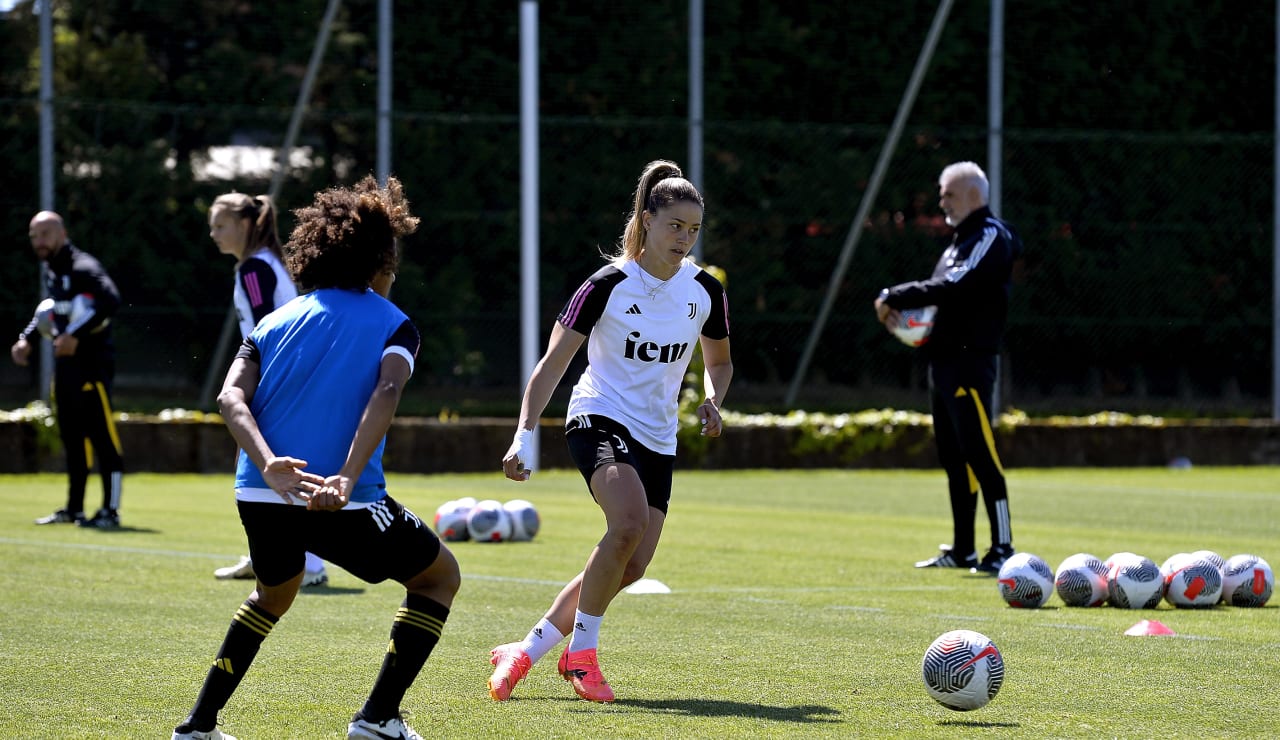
x: 634, y: 310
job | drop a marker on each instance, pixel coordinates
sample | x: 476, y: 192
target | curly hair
x: 347, y: 236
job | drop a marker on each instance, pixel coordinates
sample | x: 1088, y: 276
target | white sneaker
x: 392, y: 729
x: 242, y: 569
x: 213, y: 734
x: 314, y: 578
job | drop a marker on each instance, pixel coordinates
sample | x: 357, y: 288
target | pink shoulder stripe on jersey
x: 724, y: 298
x: 575, y: 304
x: 253, y: 290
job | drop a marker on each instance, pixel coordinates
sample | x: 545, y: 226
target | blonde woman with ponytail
x: 640, y: 316
x: 244, y: 227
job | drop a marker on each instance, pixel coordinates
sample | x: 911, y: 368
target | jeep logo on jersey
x: 652, y: 351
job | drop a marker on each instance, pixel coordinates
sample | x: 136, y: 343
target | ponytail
x: 661, y: 184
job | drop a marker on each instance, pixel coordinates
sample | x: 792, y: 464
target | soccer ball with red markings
x: 451, y: 520
x: 1247, y: 580
x: 963, y: 670
x: 1025, y: 581
x: 76, y: 308
x: 1133, y: 581
x: 525, y: 521
x: 1193, y: 581
x: 44, y: 318
x: 489, y: 522
x: 916, y: 324
x: 1081, y: 580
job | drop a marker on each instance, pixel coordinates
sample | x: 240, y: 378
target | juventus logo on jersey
x: 693, y: 309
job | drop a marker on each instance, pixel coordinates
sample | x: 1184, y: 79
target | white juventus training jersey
x: 262, y: 286
x: 640, y: 343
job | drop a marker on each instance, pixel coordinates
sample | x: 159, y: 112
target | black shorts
x: 382, y: 541
x: 595, y: 441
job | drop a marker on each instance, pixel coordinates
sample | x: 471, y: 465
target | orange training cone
x: 1149, y: 627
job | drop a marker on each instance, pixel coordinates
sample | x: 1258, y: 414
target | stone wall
x: 477, y: 445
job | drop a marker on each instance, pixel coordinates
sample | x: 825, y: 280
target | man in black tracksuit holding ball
x: 85, y: 298
x: 970, y: 286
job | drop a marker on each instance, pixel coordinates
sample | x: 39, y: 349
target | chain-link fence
x: 1146, y: 277
x: 1146, y: 282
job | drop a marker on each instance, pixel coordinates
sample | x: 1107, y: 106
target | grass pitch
x: 794, y: 613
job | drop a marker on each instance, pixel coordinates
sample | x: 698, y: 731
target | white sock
x: 586, y: 632
x: 314, y: 563
x: 541, y: 640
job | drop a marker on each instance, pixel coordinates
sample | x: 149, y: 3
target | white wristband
x: 523, y: 441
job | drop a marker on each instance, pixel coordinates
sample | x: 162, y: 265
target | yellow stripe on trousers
x: 106, y: 414
x: 987, y: 434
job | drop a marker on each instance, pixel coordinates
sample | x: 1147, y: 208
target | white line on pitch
x: 112, y: 548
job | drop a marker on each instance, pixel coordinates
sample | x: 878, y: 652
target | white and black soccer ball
x: 1247, y: 580
x: 451, y: 521
x: 1193, y: 581
x: 1081, y: 580
x: 1025, y: 581
x: 1214, y: 558
x: 963, y: 670
x: 915, y: 325
x: 44, y: 318
x: 525, y: 521
x: 1133, y: 582
x: 489, y: 522
x: 75, y: 309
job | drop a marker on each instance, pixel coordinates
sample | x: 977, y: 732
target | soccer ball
x: 525, y: 521
x: 46, y: 324
x: 914, y: 327
x: 1081, y: 580
x: 489, y: 522
x: 963, y: 670
x: 44, y: 318
x: 1247, y: 580
x: 1133, y: 581
x: 1193, y: 582
x: 1025, y: 581
x: 1216, y: 559
x: 451, y: 521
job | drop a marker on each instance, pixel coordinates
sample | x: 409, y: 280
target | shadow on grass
x: 330, y: 591
x: 976, y: 723
x: 802, y: 713
x: 122, y: 529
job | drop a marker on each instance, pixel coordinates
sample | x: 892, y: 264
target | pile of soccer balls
x: 1127, y: 580
x: 487, y: 521
x: 964, y: 669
